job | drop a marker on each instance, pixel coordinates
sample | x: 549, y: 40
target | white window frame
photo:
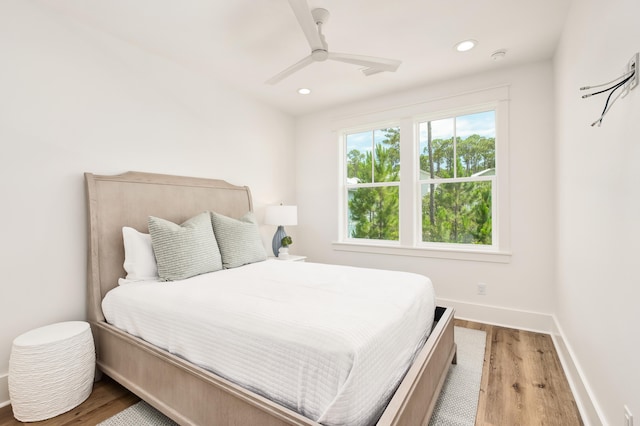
x: 408, y: 118
x: 344, y: 233
x: 493, y: 179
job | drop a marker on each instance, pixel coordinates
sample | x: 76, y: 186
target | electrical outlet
x: 628, y: 417
x: 631, y: 66
x: 482, y: 289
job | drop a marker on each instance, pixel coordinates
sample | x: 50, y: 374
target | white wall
x: 516, y: 289
x: 598, y: 205
x: 73, y: 100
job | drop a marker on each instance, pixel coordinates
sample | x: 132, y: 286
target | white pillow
x: 139, y: 261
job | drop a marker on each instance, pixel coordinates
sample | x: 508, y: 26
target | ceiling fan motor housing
x: 319, y: 55
x: 320, y: 15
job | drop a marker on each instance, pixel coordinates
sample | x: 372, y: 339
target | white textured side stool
x: 51, y: 370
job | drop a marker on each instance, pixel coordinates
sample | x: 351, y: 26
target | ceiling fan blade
x: 381, y: 64
x: 293, y: 68
x: 371, y: 71
x: 307, y: 23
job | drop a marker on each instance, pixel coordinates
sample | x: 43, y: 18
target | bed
x: 183, y: 390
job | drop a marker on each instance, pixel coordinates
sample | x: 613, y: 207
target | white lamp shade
x: 281, y: 215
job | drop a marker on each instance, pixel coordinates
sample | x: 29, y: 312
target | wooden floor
x: 522, y: 380
x: 522, y: 384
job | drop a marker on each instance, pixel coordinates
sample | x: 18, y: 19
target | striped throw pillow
x: 185, y: 250
x: 239, y: 240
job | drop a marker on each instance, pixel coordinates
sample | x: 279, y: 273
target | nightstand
x: 51, y: 370
x: 291, y: 258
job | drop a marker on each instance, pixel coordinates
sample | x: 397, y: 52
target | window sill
x: 438, y: 253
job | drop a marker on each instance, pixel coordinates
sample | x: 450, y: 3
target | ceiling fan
x: 311, y: 22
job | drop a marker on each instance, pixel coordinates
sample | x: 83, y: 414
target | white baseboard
x: 541, y: 323
x: 504, y: 317
x: 4, y: 390
x: 587, y: 404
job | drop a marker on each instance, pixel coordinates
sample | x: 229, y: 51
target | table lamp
x: 280, y: 216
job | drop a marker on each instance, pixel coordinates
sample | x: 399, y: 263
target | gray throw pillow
x: 186, y: 250
x: 239, y: 240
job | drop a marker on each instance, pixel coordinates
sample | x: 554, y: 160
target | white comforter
x: 330, y: 342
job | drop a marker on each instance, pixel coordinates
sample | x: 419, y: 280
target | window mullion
x: 457, y: 180
x: 455, y: 148
x: 408, y: 181
x: 372, y: 185
x: 373, y: 156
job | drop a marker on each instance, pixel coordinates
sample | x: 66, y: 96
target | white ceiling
x: 245, y: 42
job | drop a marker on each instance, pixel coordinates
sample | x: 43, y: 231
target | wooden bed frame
x: 184, y: 392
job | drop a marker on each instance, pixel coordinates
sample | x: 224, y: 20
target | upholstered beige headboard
x: 128, y: 200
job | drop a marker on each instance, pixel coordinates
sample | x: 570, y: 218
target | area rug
x: 458, y: 401
x: 456, y: 405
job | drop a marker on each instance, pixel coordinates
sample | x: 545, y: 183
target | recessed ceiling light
x: 304, y: 91
x: 465, y: 45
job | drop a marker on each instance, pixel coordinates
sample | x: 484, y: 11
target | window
x: 457, y: 178
x: 428, y: 184
x: 372, y: 184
